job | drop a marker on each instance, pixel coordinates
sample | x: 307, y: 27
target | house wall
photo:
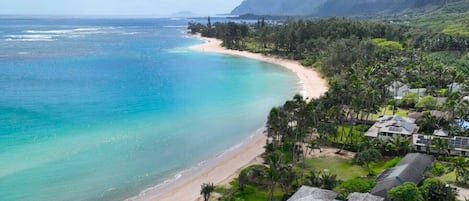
x: 423, y: 149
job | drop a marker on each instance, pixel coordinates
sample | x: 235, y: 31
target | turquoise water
x: 100, y: 109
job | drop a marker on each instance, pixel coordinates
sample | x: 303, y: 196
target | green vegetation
x: 342, y: 167
x: 384, y: 164
x: 426, y: 103
x: 409, y: 100
x: 390, y: 45
x: 360, y: 60
x: 361, y: 8
x: 456, y: 29
x: 361, y: 185
x: 436, y: 190
x: 206, y: 190
x: 437, y: 169
x: 405, y: 192
x: 366, y: 157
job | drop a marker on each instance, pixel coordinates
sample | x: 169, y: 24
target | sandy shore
x: 313, y: 85
x: 221, y: 171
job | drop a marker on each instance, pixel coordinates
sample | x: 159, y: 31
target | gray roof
x: 398, y: 89
x: 410, y: 169
x: 420, y: 91
x: 393, y: 124
x: 436, y: 113
x: 455, y: 87
x: 306, y: 193
x: 363, y: 197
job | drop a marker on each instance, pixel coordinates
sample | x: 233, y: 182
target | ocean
x: 101, y: 109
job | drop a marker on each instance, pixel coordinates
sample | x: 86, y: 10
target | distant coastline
x: 222, y: 170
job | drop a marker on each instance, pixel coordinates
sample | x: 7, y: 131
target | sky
x: 115, y: 7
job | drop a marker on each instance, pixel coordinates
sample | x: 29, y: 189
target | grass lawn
x: 342, y: 167
x: 379, y: 166
x: 388, y: 111
x: 449, y: 177
x: 343, y: 136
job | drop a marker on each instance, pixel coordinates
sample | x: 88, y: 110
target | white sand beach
x: 313, y: 84
x: 221, y: 171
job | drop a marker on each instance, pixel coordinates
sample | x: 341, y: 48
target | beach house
x: 398, y: 90
x: 410, y: 169
x: 390, y: 125
x: 456, y: 146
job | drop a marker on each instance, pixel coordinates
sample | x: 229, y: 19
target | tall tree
x: 459, y: 165
x: 398, y: 144
x: 441, y: 145
x: 366, y: 157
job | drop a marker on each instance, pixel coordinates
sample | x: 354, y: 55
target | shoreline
x: 312, y: 82
x: 221, y: 169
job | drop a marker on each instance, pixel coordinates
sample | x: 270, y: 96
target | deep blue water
x: 100, y: 109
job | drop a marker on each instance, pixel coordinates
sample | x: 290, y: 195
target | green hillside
x: 452, y: 19
x: 349, y: 8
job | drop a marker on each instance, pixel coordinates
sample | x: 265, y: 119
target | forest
x: 361, y: 60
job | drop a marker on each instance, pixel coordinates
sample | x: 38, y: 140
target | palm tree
x: 313, y: 144
x: 206, y: 190
x: 314, y: 178
x: 428, y: 122
x: 379, y: 144
x: 274, y: 160
x: 329, y: 180
x: 398, y: 144
x: 441, y: 145
x: 459, y: 164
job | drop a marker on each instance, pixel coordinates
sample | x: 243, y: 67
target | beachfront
x: 221, y: 171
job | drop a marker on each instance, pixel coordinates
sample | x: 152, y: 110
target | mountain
x: 324, y: 8
x: 374, y: 7
x: 277, y: 7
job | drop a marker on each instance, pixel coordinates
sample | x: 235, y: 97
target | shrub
x: 392, y: 163
x: 436, y: 190
x: 360, y: 185
x: 427, y: 103
x: 405, y: 192
x: 409, y: 100
x: 437, y: 169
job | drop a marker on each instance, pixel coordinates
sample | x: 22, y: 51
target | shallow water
x: 100, y: 109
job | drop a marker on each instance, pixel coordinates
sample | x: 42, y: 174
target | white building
x: 389, y: 126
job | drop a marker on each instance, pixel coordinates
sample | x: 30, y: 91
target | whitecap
x: 31, y: 36
x: 48, y: 31
x: 51, y: 35
x: 130, y: 33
